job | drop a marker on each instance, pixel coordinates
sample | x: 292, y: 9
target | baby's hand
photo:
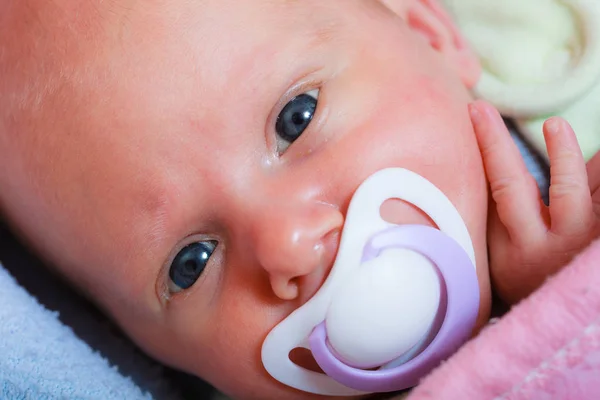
x: 527, y: 240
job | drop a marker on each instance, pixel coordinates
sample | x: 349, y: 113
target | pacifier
x: 398, y: 300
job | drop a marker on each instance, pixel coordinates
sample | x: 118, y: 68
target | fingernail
x: 474, y: 112
x: 553, y: 126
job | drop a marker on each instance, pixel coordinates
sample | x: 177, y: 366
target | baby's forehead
x: 56, y: 46
x: 66, y: 32
x: 77, y: 69
x: 74, y: 66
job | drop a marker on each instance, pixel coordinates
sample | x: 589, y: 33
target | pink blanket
x: 547, y: 347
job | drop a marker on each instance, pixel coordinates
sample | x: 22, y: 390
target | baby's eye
x: 189, y: 264
x: 295, y: 118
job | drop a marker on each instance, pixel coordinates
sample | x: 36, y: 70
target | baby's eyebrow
x: 323, y: 34
x: 155, y: 201
x: 321, y: 26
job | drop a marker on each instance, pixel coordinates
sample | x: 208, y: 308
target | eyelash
x: 164, y: 291
x: 304, y: 87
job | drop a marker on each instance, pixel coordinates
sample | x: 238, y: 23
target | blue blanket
x: 41, y: 358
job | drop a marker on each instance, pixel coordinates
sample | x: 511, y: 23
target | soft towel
x: 540, y: 58
x: 40, y: 358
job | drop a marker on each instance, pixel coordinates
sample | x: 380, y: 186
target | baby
x: 188, y: 164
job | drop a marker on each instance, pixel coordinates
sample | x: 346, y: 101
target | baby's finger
x: 593, y: 171
x: 570, y: 198
x: 515, y: 192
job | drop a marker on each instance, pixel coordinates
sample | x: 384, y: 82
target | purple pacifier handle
x: 462, y: 290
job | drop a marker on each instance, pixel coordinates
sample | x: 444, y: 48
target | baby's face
x: 191, y: 163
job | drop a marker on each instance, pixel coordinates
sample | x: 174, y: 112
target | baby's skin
x: 141, y: 138
x: 529, y: 241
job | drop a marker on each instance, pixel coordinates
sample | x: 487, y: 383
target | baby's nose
x: 296, y: 245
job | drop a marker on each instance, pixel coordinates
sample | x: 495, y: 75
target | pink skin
x: 133, y: 130
x: 529, y: 241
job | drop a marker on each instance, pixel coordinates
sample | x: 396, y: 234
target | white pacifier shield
x: 363, y: 220
x: 384, y: 310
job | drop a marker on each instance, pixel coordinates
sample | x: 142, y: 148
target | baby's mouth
x: 382, y: 231
x: 394, y: 211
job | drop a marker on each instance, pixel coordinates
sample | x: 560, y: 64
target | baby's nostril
x: 303, y: 358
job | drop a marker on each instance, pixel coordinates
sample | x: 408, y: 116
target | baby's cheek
x: 474, y: 208
x: 226, y: 352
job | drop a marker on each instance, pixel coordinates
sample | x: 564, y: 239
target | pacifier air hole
x: 399, y: 212
x: 304, y: 358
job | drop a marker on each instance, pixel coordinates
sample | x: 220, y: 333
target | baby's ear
x: 429, y: 19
